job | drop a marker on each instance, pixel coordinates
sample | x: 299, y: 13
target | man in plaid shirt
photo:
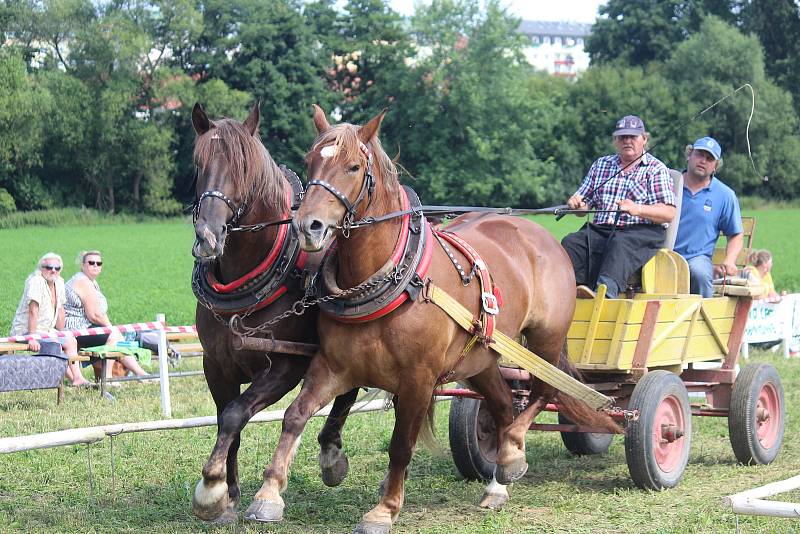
x: 608, y: 250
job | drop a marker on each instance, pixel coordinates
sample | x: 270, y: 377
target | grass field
x: 146, y: 271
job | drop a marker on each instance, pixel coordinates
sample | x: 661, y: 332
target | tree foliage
x: 98, y: 94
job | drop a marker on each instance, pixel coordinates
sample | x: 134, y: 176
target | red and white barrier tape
x: 97, y: 330
x: 185, y: 329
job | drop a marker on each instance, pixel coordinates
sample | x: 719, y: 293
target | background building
x: 557, y: 47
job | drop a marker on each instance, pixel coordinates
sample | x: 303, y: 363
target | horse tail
x: 427, y: 433
x: 578, y: 411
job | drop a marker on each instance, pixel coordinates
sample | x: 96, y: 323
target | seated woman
x: 759, y: 271
x: 86, y: 307
x: 41, y: 311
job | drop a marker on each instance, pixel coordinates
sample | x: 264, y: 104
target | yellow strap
x: 518, y: 354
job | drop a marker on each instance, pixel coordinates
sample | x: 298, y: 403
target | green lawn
x: 148, y: 486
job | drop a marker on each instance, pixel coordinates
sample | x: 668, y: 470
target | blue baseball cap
x: 710, y: 145
x: 629, y: 125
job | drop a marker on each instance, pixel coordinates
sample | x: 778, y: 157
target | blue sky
x: 572, y: 10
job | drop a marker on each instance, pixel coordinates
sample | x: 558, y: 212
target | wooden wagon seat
x: 651, y: 277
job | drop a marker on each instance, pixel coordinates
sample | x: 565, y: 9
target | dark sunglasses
x: 98, y: 263
x: 52, y: 267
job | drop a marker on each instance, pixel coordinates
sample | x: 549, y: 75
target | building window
x: 557, y: 41
x: 546, y: 39
x: 580, y: 41
x: 535, y: 39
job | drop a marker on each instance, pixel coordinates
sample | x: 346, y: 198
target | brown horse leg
x: 211, y: 501
x: 319, y: 387
x: 413, y: 402
x: 332, y: 461
x: 513, y: 465
x: 495, y: 391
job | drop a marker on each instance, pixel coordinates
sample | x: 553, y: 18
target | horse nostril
x: 316, y: 226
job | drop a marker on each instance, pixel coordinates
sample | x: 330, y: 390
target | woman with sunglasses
x: 86, y: 307
x: 41, y: 311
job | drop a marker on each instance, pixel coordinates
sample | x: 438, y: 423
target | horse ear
x: 251, y: 123
x: 370, y: 130
x: 200, y: 119
x: 320, y: 120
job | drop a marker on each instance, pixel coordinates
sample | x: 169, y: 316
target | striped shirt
x: 647, y: 182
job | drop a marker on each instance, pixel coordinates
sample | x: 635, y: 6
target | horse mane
x: 251, y: 169
x: 344, y: 136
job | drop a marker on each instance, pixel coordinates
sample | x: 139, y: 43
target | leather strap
x: 516, y: 353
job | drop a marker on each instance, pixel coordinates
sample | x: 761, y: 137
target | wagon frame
x: 648, y: 353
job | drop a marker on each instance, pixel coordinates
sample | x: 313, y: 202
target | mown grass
x: 147, y: 266
x: 148, y: 486
x: 154, y: 475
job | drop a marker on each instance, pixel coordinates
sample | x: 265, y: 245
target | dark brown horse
x: 410, y: 350
x: 256, y: 274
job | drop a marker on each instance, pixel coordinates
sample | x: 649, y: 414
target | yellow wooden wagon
x: 647, y: 353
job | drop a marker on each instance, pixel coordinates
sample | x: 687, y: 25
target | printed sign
x: 771, y: 321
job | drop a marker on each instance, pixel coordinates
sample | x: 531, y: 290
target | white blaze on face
x: 210, y: 239
x: 328, y: 151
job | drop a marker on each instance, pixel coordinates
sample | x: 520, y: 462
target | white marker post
x: 163, y: 369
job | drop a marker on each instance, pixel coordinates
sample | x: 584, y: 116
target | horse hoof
x: 334, y: 474
x: 265, y: 511
x: 227, y: 518
x: 210, y: 501
x: 493, y: 501
x: 368, y: 527
x: 506, y: 474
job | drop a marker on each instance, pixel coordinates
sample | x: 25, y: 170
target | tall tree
x: 714, y: 62
x: 23, y: 108
x: 463, y: 119
x: 636, y: 32
x: 266, y: 49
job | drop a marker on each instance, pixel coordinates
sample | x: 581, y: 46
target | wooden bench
x: 183, y: 343
x: 19, y: 368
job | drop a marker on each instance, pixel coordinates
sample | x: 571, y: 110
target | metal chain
x: 300, y: 306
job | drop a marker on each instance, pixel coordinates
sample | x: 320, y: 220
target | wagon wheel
x: 473, y: 440
x: 657, y: 444
x: 584, y: 443
x: 757, y: 414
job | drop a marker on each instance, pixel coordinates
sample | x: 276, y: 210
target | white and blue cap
x: 710, y: 145
x: 629, y: 125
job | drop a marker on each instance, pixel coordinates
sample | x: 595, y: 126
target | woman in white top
x: 86, y: 306
x: 41, y: 311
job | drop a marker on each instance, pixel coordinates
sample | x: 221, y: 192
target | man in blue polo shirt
x: 709, y: 207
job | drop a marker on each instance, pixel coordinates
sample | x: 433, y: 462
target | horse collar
x: 399, y: 280
x: 267, y: 281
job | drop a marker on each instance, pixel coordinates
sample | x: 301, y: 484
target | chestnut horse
x: 238, y: 183
x: 417, y: 346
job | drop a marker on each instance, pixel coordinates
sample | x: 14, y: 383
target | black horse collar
x: 281, y: 267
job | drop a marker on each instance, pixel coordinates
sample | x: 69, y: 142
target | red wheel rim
x: 667, y: 448
x: 768, y: 416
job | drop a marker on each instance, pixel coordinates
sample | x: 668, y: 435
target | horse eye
x: 354, y: 168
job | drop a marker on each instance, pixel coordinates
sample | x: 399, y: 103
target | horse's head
x: 346, y: 163
x: 234, y: 171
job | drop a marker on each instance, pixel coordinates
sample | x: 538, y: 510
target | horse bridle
x: 238, y: 212
x: 367, y: 189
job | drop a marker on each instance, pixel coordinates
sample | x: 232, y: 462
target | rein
x: 446, y: 211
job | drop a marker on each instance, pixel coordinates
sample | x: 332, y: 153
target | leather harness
x: 267, y: 281
x: 399, y: 280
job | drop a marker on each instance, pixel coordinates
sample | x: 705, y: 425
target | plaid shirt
x: 647, y: 182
